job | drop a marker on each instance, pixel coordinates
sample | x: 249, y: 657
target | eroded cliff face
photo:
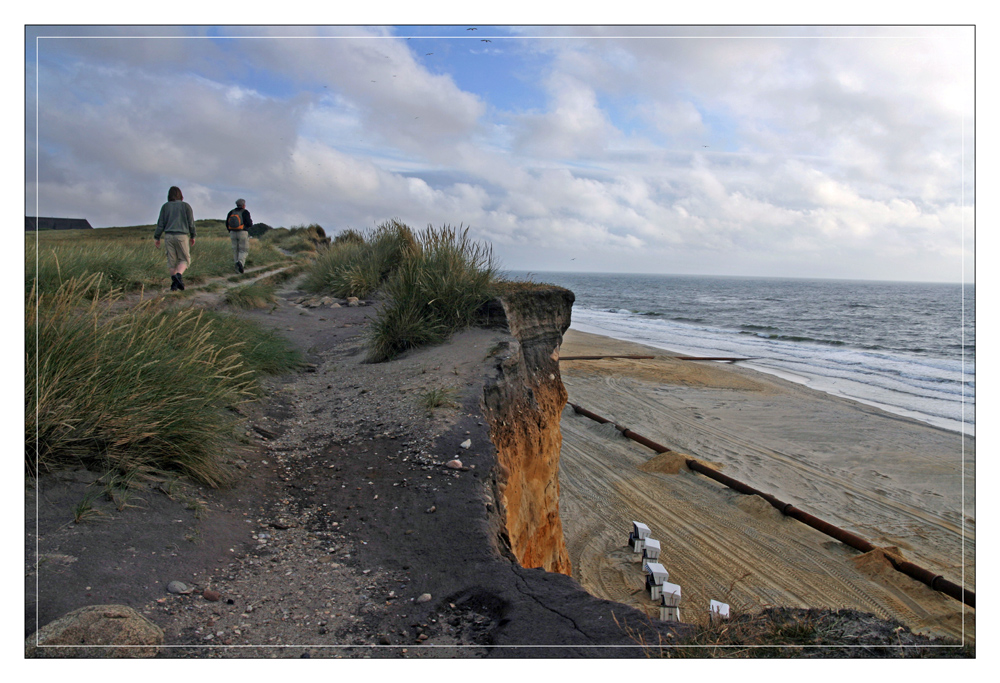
x: 523, y: 406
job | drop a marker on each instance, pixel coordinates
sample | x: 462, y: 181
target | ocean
x: 906, y: 347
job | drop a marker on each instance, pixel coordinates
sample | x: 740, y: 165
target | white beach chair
x: 638, y: 536
x: 650, y: 549
x: 656, y: 575
x: 717, y: 611
x: 668, y: 613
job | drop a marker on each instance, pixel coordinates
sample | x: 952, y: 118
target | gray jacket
x: 176, y: 217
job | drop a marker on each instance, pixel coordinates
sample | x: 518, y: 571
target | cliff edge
x: 523, y: 405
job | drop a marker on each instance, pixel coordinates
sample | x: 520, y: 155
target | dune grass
x: 437, y: 290
x: 357, y: 264
x: 128, y: 261
x: 255, y: 295
x: 433, y: 282
x: 307, y: 239
x: 152, y: 385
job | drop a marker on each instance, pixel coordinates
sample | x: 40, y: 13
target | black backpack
x: 235, y: 220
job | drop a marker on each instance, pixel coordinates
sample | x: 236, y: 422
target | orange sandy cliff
x: 524, y: 405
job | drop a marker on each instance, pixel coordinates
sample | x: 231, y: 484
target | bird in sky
x: 486, y: 41
x: 429, y: 53
x: 472, y: 29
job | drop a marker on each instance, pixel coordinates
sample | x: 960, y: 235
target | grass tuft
x: 255, y: 295
x: 149, y: 385
x: 438, y: 398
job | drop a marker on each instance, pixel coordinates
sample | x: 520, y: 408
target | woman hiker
x: 176, y: 224
x: 238, y: 221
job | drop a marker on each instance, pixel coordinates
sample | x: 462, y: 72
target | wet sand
x: 895, y: 482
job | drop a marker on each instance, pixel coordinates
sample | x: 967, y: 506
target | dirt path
x: 890, y: 480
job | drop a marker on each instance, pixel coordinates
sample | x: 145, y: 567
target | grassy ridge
x: 127, y: 259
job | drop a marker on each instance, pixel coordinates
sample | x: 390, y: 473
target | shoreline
x: 895, y: 481
x: 946, y: 424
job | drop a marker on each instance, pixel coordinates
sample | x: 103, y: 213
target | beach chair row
x: 660, y: 589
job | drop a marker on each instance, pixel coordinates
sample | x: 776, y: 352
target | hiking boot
x: 180, y: 282
x: 239, y: 266
x: 173, y: 283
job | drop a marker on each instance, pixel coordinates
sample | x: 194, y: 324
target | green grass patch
x: 151, y: 386
x: 436, y: 291
x: 255, y: 295
x: 128, y: 260
x: 438, y: 398
x: 357, y: 264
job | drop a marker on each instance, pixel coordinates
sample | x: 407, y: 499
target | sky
x: 784, y: 151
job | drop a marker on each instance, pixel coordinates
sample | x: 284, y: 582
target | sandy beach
x: 895, y: 482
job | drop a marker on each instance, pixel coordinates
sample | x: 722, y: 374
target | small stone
x: 178, y: 588
x: 422, y: 637
x: 454, y: 464
x: 211, y: 595
x: 466, y: 444
x: 384, y: 640
x: 432, y: 508
x: 424, y: 597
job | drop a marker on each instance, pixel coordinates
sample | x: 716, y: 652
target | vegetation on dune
x: 152, y: 385
x: 433, y: 283
x: 436, y: 291
x: 782, y: 632
x: 128, y: 261
x: 308, y: 239
x: 255, y: 295
x: 357, y: 264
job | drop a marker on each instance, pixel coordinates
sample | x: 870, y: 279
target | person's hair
x: 241, y: 203
x: 174, y: 194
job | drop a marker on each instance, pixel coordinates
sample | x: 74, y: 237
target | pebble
x: 454, y: 464
x: 425, y: 597
x: 178, y: 588
x: 432, y: 508
x: 466, y: 444
x: 211, y: 595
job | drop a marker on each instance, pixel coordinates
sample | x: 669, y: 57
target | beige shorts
x: 178, y: 248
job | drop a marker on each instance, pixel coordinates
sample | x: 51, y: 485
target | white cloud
x: 746, y: 156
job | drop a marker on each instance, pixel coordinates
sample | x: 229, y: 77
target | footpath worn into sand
x: 896, y: 482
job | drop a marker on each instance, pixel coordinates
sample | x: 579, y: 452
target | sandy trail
x: 891, y: 480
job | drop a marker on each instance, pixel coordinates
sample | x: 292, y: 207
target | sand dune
x: 896, y: 482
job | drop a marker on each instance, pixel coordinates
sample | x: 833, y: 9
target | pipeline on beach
x: 935, y: 581
x: 634, y: 357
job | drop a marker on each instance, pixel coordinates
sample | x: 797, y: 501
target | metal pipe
x: 731, y: 360
x: 725, y: 358
x: 935, y: 581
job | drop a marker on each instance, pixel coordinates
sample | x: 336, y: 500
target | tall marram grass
x: 357, y: 264
x: 153, y: 385
x: 437, y: 290
x: 432, y: 283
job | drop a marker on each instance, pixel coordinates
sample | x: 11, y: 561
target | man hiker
x: 176, y: 225
x: 237, y: 222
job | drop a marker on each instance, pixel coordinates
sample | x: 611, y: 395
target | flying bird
x: 483, y: 40
x: 472, y: 29
x: 429, y: 53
